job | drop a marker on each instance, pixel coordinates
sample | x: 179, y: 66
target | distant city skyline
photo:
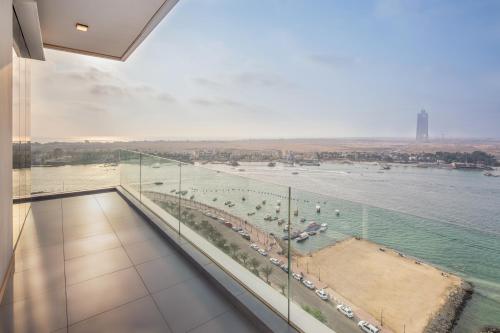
x: 220, y: 69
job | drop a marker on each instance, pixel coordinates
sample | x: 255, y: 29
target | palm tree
x: 204, y: 224
x: 254, y: 263
x: 282, y: 287
x: 234, y: 248
x: 244, y: 258
x: 216, y: 236
x: 267, y: 270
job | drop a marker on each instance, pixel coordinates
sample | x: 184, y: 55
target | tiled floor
x: 91, y: 264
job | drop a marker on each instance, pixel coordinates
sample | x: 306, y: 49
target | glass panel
x: 233, y: 214
x: 161, y: 184
x: 130, y: 171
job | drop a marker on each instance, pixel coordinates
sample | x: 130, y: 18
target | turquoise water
x: 448, y: 218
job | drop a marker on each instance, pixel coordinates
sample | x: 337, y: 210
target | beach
x: 401, y: 294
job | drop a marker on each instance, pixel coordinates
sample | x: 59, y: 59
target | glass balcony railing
x: 321, y: 262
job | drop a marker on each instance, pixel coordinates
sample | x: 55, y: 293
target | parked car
x: 262, y: 252
x: 254, y: 246
x: 284, y: 267
x: 345, y: 310
x: 297, y: 276
x: 322, y: 294
x: 367, y: 327
x: 237, y: 229
x: 308, y: 284
x: 245, y: 235
x: 274, y: 261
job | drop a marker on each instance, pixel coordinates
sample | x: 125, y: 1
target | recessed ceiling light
x: 82, y: 27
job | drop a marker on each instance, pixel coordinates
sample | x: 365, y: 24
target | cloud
x: 207, y: 82
x: 108, y: 90
x: 166, y: 97
x: 332, y: 60
x: 260, y: 79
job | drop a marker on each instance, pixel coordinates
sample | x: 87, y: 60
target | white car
x: 345, y: 310
x: 367, y: 327
x: 297, y: 276
x: 237, y: 229
x: 322, y: 294
x: 308, y: 284
x: 274, y: 261
x: 254, y: 246
x: 262, y: 252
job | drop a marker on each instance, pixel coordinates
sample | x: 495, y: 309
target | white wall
x: 5, y: 135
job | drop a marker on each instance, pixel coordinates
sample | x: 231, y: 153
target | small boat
x: 323, y: 227
x: 385, y: 167
x: 258, y: 207
x: 277, y: 209
x: 174, y: 190
x: 243, y: 199
x: 311, y: 233
x: 318, y: 209
x: 295, y: 173
x: 191, y: 197
x: 337, y: 212
x: 268, y: 218
x: 303, y: 219
x: 214, y: 199
x: 158, y: 183
x: 231, y: 205
x: 302, y: 237
x: 271, y: 164
x: 278, y: 202
x: 281, y: 221
x: 263, y: 202
x: 285, y: 229
x: 251, y: 213
x: 296, y: 212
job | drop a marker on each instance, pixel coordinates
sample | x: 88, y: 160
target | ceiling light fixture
x: 82, y: 27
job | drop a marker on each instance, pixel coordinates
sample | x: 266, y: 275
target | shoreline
x: 444, y: 319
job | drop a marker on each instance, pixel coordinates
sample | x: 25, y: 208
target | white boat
x: 318, y: 208
x: 323, y: 227
x: 302, y: 237
x: 278, y: 202
x: 277, y: 209
x: 337, y: 212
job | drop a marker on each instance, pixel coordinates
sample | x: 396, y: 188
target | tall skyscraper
x: 422, y: 126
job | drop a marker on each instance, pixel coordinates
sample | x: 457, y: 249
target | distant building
x: 422, y: 126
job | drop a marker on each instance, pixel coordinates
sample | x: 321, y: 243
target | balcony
x: 92, y: 262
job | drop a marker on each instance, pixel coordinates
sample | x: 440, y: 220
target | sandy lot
x: 407, y: 294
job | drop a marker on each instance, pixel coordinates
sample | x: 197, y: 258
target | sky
x: 227, y: 69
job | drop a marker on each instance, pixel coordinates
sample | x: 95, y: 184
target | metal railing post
x: 180, y: 184
x: 140, y: 177
x: 289, y: 250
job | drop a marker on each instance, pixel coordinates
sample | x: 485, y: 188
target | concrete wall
x: 5, y: 135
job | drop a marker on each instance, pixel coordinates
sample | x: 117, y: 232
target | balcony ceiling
x: 116, y: 27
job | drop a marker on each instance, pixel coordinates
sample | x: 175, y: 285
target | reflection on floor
x: 91, y: 264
